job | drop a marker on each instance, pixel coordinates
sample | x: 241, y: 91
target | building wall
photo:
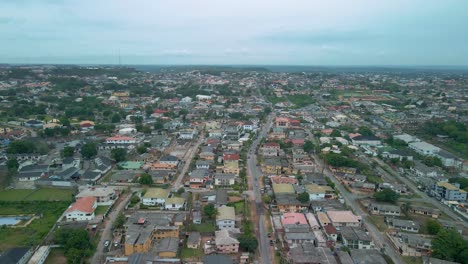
x: 225, y: 249
x: 223, y: 224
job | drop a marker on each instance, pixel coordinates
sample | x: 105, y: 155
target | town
x: 227, y: 165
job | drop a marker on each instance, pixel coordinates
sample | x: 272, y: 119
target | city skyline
x: 361, y: 33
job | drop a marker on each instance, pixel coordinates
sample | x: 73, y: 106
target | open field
x: 46, y: 194
x: 34, y: 232
x: 206, y: 227
x: 56, y: 256
x: 101, y: 209
x: 191, y: 253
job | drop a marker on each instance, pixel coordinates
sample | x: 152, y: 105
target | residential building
x: 82, y: 209
x: 449, y: 192
x: 402, y: 224
x: 194, y: 240
x: 105, y: 195
x: 429, y: 211
x: 344, y: 218
x: 167, y: 247
x: 226, y: 241
x: 226, y: 217
x: 384, y: 209
x: 175, y: 203
x: 424, y: 148
x: 155, y: 197
x: 224, y: 179
x: 355, y: 238
x: 121, y: 140
x: 318, y: 192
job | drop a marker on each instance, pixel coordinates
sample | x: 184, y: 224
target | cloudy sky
x: 292, y: 32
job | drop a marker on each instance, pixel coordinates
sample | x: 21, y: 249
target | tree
x: 335, y: 133
x: 119, y: 154
x: 141, y: 149
x: 89, y: 150
x: 308, y: 146
x: 181, y: 190
x: 119, y: 221
x: 68, y: 152
x: 365, y: 131
x: 387, y: 195
x: 21, y: 147
x: 266, y: 199
x: 146, y: 179
x: 12, y: 165
x: 159, y: 125
x: 248, y: 243
x: 75, y: 242
x: 449, y: 245
x: 303, y: 197
x: 433, y: 226
x: 116, y: 118
x: 210, y: 211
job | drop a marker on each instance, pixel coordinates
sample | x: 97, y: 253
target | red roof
x: 160, y: 111
x: 141, y: 220
x: 297, y: 141
x: 231, y: 156
x: 272, y: 144
x: 119, y: 138
x: 330, y: 229
x: 293, y: 219
x: 84, y: 204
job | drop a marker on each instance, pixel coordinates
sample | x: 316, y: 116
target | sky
x: 243, y: 32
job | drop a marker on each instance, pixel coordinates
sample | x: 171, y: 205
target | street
x: 99, y: 256
x: 380, y: 239
x: 193, y: 150
x: 254, y: 173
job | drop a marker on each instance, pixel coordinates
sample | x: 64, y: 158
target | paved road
x: 380, y: 239
x: 423, y: 195
x: 254, y: 174
x: 99, y: 256
x: 176, y: 184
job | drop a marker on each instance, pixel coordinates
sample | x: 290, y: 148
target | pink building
x: 293, y: 219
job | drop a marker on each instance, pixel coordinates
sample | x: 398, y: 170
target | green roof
x: 156, y: 193
x: 131, y: 165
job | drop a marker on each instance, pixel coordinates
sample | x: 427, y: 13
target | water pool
x: 12, y: 220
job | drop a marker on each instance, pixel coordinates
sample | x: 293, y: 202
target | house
x: 226, y: 217
x: 449, y: 191
x: 448, y: 159
x: 226, y: 241
x: 91, y: 176
x: 366, y: 256
x: 313, y: 223
x: 366, y: 141
x: 175, y: 203
x: 307, y: 253
x: 429, y: 211
x: 231, y: 163
x: 424, y: 148
x: 293, y: 219
x: 39, y: 256
x: 344, y: 218
x: 224, y: 179
x: 323, y: 219
x: 384, y: 209
x: 32, y: 172
x: 196, y: 217
x: 187, y: 134
x: 34, y: 123
x: 202, y: 164
x: 318, y: 192
x: 248, y: 126
x: 82, y: 209
x: 402, y: 224
x: 287, y: 202
x: 355, y: 238
x: 270, y: 149
x: 105, y: 195
x: 155, y: 197
x: 421, y: 244
x: 169, y: 160
x: 283, y: 188
x: 282, y: 122
x: 194, y: 240
x: 103, y: 164
x: 121, y: 140
x: 198, y: 177
x: 216, y: 259
x: 299, y: 238
x: 167, y: 247
x: 331, y: 232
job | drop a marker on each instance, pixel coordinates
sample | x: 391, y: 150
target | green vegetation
x: 387, y: 195
x: 89, y: 150
x: 37, y: 229
x: 238, y: 206
x: 75, y: 242
x: 46, y: 194
x: 21, y: 147
x: 301, y: 100
x: 432, y: 227
x: 412, y: 260
x: 365, y: 131
x: 303, y: 197
x: 462, y: 181
x: 308, y: 146
x: 449, y: 245
x: 119, y: 154
x: 187, y: 253
x: 145, y: 179
x: 379, y: 222
x: 210, y: 211
x: 68, y: 152
x: 56, y: 256
x: 274, y: 100
x: 101, y: 209
x: 119, y: 221
x: 248, y: 243
x: 456, y: 133
x: 205, y: 227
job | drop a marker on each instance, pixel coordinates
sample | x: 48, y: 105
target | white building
x: 82, y: 209
x: 121, y: 140
x: 174, y: 204
x: 424, y: 148
x: 155, y: 196
x: 226, y: 217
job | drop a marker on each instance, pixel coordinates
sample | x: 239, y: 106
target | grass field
x: 412, y: 260
x: 206, y: 227
x: 101, y: 209
x: 191, y: 253
x: 34, y: 232
x: 46, y: 194
x: 379, y: 222
x: 238, y: 206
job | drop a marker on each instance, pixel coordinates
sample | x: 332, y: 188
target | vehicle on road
x: 106, y: 243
